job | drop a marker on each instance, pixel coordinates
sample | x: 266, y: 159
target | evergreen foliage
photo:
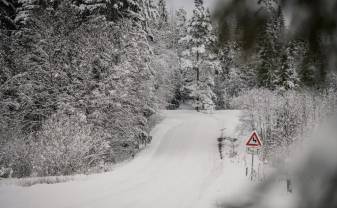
x: 7, y: 14
x: 71, y: 62
x: 111, y: 64
x: 163, y: 13
x: 199, y: 63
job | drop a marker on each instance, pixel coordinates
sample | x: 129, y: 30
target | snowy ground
x: 181, y: 168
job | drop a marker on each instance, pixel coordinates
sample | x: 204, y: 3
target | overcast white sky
x: 186, y: 4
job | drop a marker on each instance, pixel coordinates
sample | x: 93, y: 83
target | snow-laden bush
x: 281, y: 118
x: 65, y: 145
x: 16, y: 155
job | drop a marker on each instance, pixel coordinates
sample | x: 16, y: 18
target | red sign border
x: 258, y: 140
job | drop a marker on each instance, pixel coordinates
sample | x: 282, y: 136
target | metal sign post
x: 253, y: 145
x: 251, y: 169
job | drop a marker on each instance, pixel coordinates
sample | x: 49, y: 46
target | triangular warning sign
x: 254, y: 140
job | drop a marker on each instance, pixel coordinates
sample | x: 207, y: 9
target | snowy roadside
x: 26, y: 182
x: 180, y: 168
x: 31, y: 181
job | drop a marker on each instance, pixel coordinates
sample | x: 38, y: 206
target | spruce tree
x: 181, y: 17
x: 113, y: 10
x: 307, y: 70
x: 287, y: 76
x: 265, y: 70
x: 26, y: 9
x: 198, y: 3
x: 150, y: 10
x: 270, y: 48
x: 180, y: 30
x: 163, y: 13
x: 8, y: 14
x: 198, y: 60
x: 312, y: 71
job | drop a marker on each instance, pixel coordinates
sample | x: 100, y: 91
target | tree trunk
x: 198, y: 77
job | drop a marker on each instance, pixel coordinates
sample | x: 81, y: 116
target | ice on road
x: 181, y: 168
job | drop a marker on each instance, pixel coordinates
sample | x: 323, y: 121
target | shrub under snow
x: 67, y: 144
x: 281, y: 118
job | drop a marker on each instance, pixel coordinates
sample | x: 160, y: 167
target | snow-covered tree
x: 92, y: 66
x: 26, y: 10
x: 312, y: 71
x: 270, y: 48
x: 199, y: 3
x: 180, y: 30
x: 181, y: 18
x: 198, y: 62
x: 287, y: 76
x: 163, y: 13
x: 8, y: 14
x: 113, y: 10
x: 150, y: 10
x: 234, y: 76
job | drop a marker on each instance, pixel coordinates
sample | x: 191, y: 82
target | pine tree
x: 198, y: 60
x: 312, y: 71
x: 150, y: 10
x: 26, y: 10
x: 235, y: 75
x: 307, y: 70
x: 270, y: 49
x: 113, y: 10
x: 181, y: 18
x: 229, y: 68
x: 287, y: 77
x: 163, y: 13
x: 8, y: 14
x: 180, y: 30
x: 198, y: 3
x: 39, y: 60
x: 90, y: 7
x: 149, y: 16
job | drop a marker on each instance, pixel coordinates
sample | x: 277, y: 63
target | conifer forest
x: 139, y: 97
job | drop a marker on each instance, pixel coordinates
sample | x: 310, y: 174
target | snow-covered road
x: 181, y: 168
